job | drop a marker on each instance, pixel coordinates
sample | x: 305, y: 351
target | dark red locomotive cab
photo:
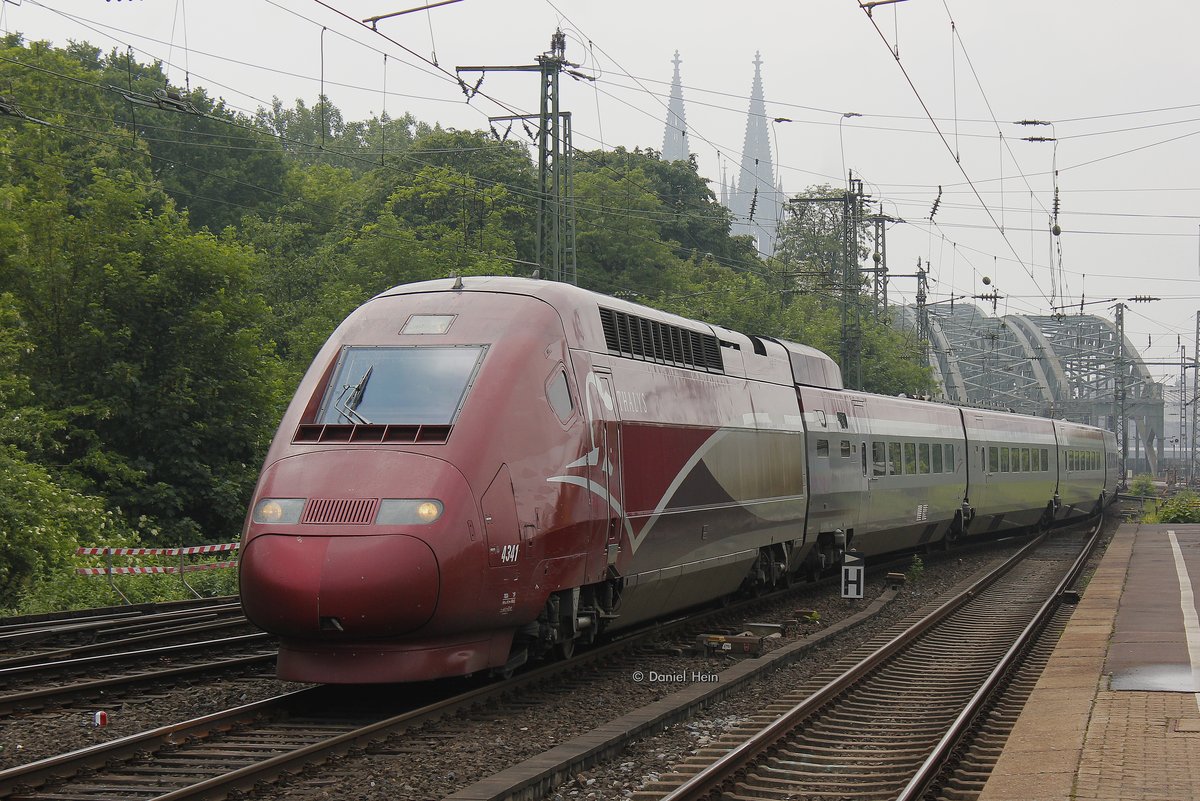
x: 403, y: 527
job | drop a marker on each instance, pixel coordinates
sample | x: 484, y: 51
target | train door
x: 607, y: 428
x: 500, y: 521
x: 866, y: 463
x: 862, y: 473
x: 985, y: 465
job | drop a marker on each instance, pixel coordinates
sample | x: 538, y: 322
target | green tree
x: 692, y: 220
x: 147, y: 340
x: 41, y: 520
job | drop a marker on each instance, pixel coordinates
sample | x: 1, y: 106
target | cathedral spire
x: 756, y: 200
x: 675, y: 144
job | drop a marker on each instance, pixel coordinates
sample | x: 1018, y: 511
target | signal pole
x: 556, y: 207
x: 1122, y: 429
x: 851, y: 202
x: 879, y: 259
x: 1195, y: 406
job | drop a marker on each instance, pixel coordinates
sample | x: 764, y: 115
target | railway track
x: 62, y: 682
x: 233, y: 750
x: 27, y: 637
x: 59, y: 661
x: 100, y: 613
x: 884, y: 724
x: 216, y: 755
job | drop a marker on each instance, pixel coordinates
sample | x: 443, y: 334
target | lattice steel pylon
x: 1070, y: 367
x: 555, y: 200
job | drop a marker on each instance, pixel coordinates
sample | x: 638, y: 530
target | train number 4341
x: 509, y: 553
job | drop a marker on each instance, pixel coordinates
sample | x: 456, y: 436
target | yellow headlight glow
x: 408, y: 511
x: 278, y: 510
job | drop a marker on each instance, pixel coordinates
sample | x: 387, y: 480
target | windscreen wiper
x: 348, y: 408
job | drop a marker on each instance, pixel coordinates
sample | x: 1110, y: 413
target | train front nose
x: 307, y: 587
x: 353, y: 554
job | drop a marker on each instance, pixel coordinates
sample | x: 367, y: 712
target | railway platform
x: 1116, y: 714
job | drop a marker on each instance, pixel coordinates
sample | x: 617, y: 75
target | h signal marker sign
x: 853, y: 571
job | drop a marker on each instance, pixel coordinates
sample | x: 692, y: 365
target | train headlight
x: 408, y: 511
x: 278, y: 510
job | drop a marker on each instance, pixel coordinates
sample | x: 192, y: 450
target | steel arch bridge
x: 1061, y: 366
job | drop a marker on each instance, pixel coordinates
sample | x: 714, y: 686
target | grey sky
x: 1118, y: 80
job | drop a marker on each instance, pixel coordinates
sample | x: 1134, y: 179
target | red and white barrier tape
x: 190, y: 550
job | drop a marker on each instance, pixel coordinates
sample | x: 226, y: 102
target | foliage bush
x: 65, y: 589
x: 915, y: 570
x: 1181, y: 508
x: 1143, y: 486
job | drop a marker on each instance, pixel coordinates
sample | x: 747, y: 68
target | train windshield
x: 400, y: 385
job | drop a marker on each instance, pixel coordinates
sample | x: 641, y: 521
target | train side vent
x: 370, y: 434
x: 342, y: 511
x: 653, y: 341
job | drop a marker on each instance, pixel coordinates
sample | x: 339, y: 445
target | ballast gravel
x: 442, y: 757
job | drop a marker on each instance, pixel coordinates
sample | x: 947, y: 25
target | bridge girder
x: 1060, y: 366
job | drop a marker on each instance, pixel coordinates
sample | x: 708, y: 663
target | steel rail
x: 12, y: 701
x: 65, y: 765
x: 937, y: 759
x: 142, y: 655
x: 725, y: 769
x: 59, y: 654
x: 104, y: 625
x: 37, y: 773
x: 51, y: 619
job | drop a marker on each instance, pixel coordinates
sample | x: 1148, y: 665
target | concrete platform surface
x: 1116, y: 714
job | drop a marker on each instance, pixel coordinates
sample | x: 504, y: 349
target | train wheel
x: 564, y: 649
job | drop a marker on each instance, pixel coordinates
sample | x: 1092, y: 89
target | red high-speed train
x: 476, y: 471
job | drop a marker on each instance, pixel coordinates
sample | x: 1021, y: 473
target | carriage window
x: 842, y: 421
x: 894, y: 459
x: 1004, y: 460
x: 878, y: 458
x: 400, y: 385
x: 1045, y: 460
x: 846, y: 448
x: 937, y: 458
x: 993, y: 459
x: 821, y: 418
x: 949, y: 458
x: 558, y: 394
x: 923, y: 457
x: 823, y: 448
x: 910, y: 458
x: 1025, y: 466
